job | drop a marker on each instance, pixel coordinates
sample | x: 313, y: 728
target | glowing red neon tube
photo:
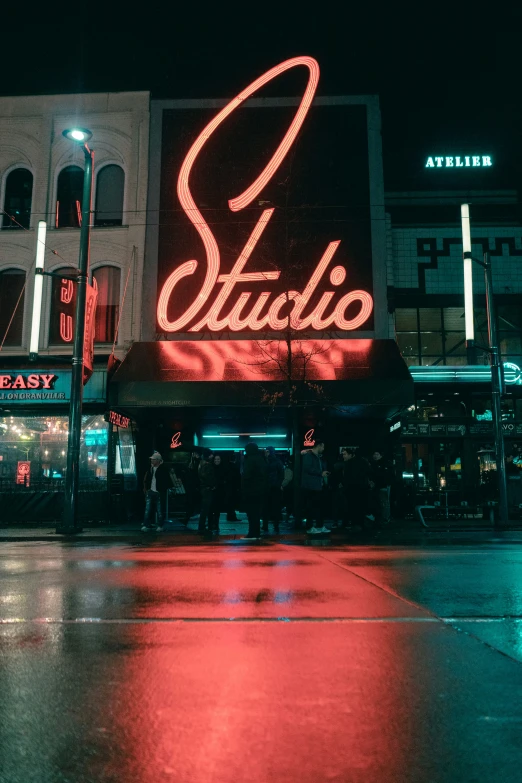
x: 236, y: 320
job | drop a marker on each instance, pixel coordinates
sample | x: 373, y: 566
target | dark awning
x: 241, y: 372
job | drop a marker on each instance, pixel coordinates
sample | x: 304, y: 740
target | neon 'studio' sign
x: 220, y: 316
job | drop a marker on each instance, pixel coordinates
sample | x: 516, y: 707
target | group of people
x: 360, y: 489
x: 355, y: 492
x: 262, y: 485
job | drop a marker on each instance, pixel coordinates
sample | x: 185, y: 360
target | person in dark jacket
x: 156, y: 484
x: 191, y: 482
x: 274, y: 496
x: 313, y: 479
x: 254, y: 487
x: 207, y: 486
x: 218, y: 503
x: 355, y: 482
x: 232, y: 489
x: 381, y: 479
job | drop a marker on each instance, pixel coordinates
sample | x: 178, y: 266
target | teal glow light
x: 512, y: 374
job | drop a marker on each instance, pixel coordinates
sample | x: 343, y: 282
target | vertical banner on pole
x: 88, y: 339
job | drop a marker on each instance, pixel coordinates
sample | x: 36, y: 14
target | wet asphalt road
x: 155, y: 662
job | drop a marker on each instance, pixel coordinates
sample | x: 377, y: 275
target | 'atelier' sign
x: 269, y: 311
x: 459, y: 162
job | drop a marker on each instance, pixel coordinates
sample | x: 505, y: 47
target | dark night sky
x: 446, y: 78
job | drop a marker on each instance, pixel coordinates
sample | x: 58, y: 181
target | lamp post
x: 497, y: 380
x: 69, y: 522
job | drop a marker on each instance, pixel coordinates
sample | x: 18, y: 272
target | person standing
x: 288, y: 489
x: 218, y: 503
x: 207, y: 486
x: 312, y: 482
x: 232, y: 488
x: 381, y: 478
x: 254, y: 487
x: 191, y: 481
x: 355, y: 480
x: 156, y: 484
x: 273, y: 499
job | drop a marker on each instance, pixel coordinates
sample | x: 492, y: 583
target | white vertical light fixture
x: 38, y: 290
x: 468, y: 274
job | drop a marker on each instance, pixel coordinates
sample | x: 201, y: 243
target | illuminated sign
x: 216, y: 292
x: 459, y: 162
x: 309, y: 441
x: 32, y: 381
x: 23, y: 473
x: 118, y: 419
x: 395, y: 426
x: 175, y: 442
x: 45, y: 386
x: 466, y: 374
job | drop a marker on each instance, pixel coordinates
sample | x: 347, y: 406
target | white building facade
x: 41, y: 178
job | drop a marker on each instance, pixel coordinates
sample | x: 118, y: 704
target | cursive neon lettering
x: 237, y: 319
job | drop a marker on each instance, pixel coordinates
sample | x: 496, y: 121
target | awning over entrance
x: 243, y: 372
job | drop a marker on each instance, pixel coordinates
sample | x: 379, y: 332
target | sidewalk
x: 399, y: 532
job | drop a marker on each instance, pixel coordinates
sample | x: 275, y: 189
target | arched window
x: 18, y: 198
x: 108, y: 305
x: 69, y: 197
x: 12, y: 282
x: 109, y: 196
x: 63, y: 306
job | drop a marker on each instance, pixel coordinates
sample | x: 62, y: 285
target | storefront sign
x: 309, y: 441
x: 512, y: 427
x: 456, y: 429
x: 47, y: 386
x: 32, y: 381
x: 23, y: 473
x: 118, y: 419
x: 395, y: 426
x: 308, y: 283
x: 459, y: 161
x: 481, y: 427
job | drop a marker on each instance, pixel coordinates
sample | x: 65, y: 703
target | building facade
x: 265, y: 299
x: 41, y: 178
x: 445, y: 442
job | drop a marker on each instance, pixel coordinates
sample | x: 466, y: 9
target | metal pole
x: 496, y: 393
x: 70, y: 522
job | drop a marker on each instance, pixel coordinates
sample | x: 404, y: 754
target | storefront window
x: 33, y: 452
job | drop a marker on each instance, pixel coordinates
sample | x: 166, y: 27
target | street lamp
x: 69, y: 522
x: 497, y: 380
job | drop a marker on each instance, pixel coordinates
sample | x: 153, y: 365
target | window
x: 109, y: 196
x: 63, y: 305
x: 42, y: 442
x: 18, y: 198
x: 436, y: 335
x: 69, y: 197
x: 12, y: 282
x: 108, y: 305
